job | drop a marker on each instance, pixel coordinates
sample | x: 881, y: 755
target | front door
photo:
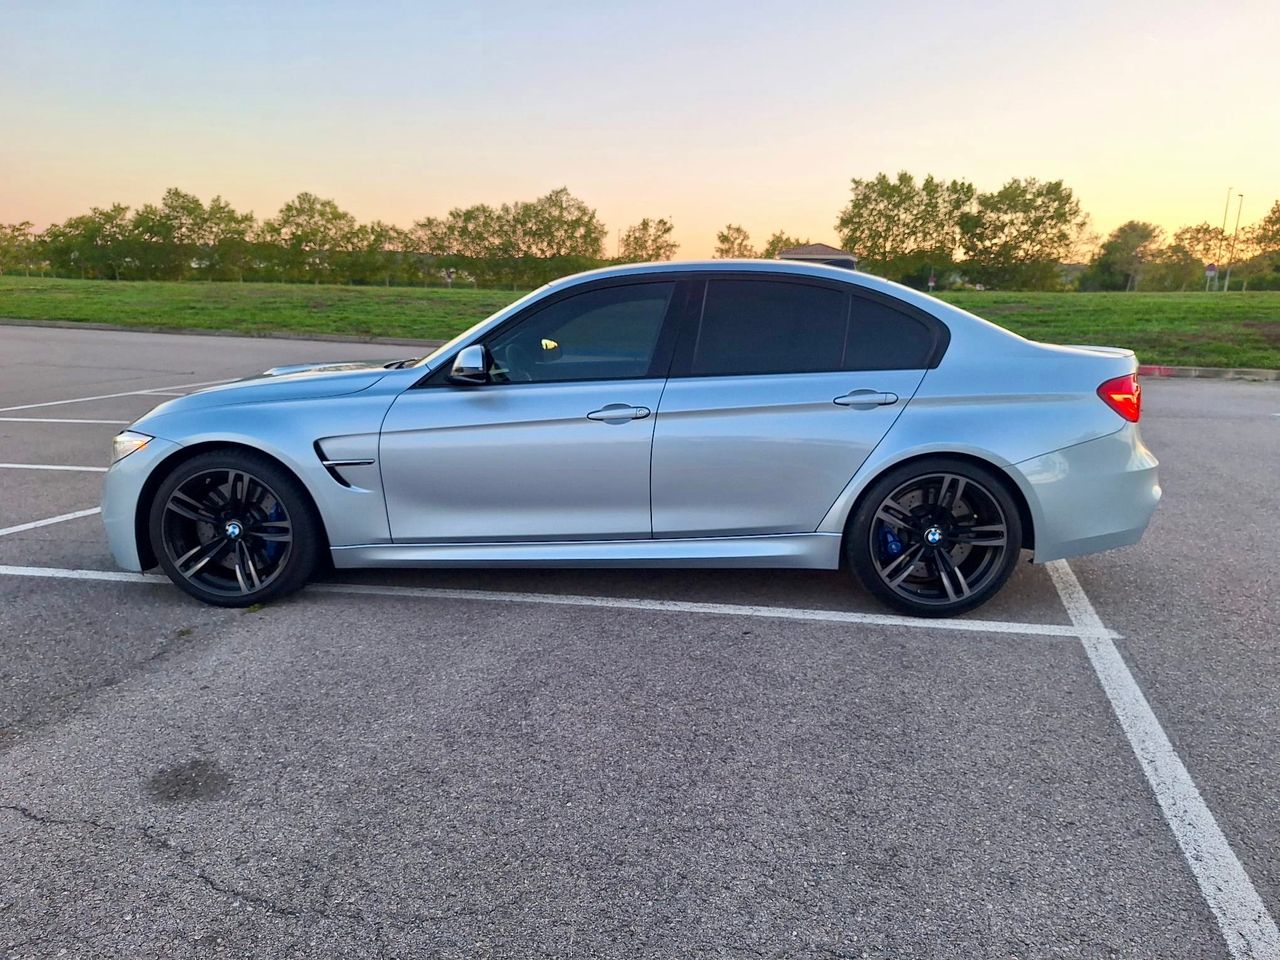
x: 556, y: 447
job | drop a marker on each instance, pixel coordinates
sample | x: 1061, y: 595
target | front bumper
x: 120, y: 492
x: 1093, y: 496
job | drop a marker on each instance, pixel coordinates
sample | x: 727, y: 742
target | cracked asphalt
x: 396, y: 776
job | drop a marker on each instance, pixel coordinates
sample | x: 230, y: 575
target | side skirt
x: 814, y: 551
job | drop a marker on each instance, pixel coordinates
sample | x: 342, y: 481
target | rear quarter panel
x: 997, y: 397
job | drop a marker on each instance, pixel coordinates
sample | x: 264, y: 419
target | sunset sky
x: 705, y: 112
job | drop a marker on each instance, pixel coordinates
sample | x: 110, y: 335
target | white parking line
x: 51, y: 466
x: 690, y: 606
x: 114, y: 396
x: 56, y: 420
x: 5, y: 531
x: 617, y: 603
x: 1247, y: 927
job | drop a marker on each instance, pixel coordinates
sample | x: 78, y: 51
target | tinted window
x: 882, y: 338
x: 767, y: 326
x: 603, y: 334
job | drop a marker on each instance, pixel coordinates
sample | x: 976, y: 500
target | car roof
x: 791, y: 268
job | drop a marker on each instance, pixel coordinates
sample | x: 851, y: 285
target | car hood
x: 297, y: 382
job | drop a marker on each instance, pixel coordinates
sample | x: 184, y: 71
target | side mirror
x: 470, y: 366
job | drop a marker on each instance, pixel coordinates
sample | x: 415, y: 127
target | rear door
x: 780, y: 389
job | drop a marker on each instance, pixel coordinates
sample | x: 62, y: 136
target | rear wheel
x: 936, y: 537
x: 233, y: 528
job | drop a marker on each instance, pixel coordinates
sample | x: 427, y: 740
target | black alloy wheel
x: 234, y: 529
x: 936, y: 538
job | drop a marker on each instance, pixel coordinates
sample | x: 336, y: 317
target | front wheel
x: 233, y: 529
x: 936, y: 537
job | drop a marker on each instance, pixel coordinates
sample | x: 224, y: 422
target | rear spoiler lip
x: 1121, y: 359
x: 1103, y: 351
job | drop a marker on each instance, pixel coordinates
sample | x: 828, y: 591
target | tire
x: 935, y: 537
x: 233, y: 528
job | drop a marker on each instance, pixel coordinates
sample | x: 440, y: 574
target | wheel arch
x: 146, y: 496
x: 1001, y: 471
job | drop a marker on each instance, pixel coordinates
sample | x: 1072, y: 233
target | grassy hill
x: 1233, y: 329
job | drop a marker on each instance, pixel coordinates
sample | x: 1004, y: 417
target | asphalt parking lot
x: 627, y: 764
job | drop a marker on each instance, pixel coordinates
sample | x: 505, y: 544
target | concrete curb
x: 243, y: 334
x: 1208, y: 373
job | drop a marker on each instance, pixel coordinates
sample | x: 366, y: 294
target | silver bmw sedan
x: 720, y: 414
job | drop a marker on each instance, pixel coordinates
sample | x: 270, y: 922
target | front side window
x: 609, y: 333
x: 768, y: 326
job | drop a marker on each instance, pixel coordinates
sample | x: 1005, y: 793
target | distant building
x: 820, y: 253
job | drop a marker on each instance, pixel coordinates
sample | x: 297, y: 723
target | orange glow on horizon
x: 759, y: 122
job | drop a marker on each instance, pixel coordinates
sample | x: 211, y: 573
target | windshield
x: 445, y: 348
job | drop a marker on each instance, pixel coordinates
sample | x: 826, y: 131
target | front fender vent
x: 335, y: 466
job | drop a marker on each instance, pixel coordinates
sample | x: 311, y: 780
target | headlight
x: 126, y: 443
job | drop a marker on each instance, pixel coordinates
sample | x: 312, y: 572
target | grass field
x: 1232, y: 330
x: 253, y: 308
x: 1191, y: 329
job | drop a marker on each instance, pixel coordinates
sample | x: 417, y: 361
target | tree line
x: 312, y: 239
x: 931, y: 232
x: 1027, y: 235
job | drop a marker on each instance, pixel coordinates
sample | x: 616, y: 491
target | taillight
x: 1124, y: 396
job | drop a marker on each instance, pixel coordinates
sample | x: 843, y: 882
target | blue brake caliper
x: 890, y: 545
x: 272, y: 549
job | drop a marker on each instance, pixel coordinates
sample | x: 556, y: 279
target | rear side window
x: 765, y: 326
x: 882, y: 338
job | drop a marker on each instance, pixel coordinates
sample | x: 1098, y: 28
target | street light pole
x: 1222, y: 234
x: 1226, y: 284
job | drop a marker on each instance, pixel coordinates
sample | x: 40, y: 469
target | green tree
x: 648, y: 241
x: 900, y: 227
x: 225, y: 244
x: 168, y: 240
x: 779, y: 242
x: 1258, y: 252
x: 1173, y: 267
x: 733, y: 241
x: 373, y: 254
x: 1017, y: 236
x: 94, y: 245
x: 525, y: 243
x: 310, y: 234
x: 17, y: 247
x: 1203, y: 241
x: 557, y: 225
x: 1120, y: 261
x: 1265, y: 234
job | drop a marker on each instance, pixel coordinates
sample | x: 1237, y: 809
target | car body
x: 719, y: 413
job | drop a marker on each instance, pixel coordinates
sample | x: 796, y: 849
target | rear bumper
x: 1092, y: 496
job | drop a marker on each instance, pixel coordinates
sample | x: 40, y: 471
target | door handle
x: 866, y: 399
x: 618, y: 413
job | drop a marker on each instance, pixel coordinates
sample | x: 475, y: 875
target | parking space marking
x: 1249, y: 930
x: 51, y: 466
x: 692, y: 606
x: 56, y: 420
x: 616, y: 603
x: 115, y: 396
x: 5, y: 531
